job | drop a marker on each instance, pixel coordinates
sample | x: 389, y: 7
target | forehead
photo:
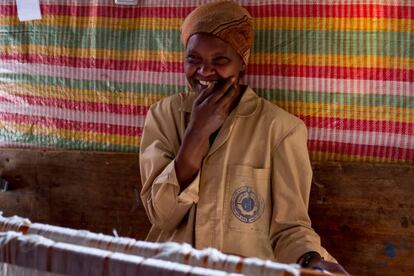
x: 207, y: 43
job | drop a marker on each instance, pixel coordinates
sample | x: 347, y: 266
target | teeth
x: 205, y: 82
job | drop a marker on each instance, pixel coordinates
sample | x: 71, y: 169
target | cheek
x: 229, y: 71
x: 189, y: 72
x: 189, y: 69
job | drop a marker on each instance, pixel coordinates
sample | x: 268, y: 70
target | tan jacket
x: 250, y: 197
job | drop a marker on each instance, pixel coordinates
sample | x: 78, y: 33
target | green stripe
x: 59, y: 142
x: 96, y: 85
x: 271, y: 41
x: 102, y: 38
x: 289, y: 96
x: 360, y: 99
x: 335, y: 42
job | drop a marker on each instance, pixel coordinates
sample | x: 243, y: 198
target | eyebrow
x: 221, y: 55
x: 192, y: 52
x: 215, y: 54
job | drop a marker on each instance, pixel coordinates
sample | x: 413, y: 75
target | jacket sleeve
x: 163, y: 201
x: 290, y: 231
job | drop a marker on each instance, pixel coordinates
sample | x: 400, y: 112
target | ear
x: 243, y: 66
x: 242, y: 70
x: 241, y: 74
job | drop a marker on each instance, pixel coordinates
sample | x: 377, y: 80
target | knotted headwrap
x: 226, y: 20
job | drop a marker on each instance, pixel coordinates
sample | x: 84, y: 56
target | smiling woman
x: 208, y: 59
x: 221, y: 167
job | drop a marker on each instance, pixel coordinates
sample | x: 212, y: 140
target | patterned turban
x: 226, y: 20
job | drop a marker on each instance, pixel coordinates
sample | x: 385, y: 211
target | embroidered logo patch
x: 246, y: 205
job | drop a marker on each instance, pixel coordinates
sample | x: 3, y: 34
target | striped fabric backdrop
x: 84, y: 75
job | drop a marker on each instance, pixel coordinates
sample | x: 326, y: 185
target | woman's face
x: 210, y: 59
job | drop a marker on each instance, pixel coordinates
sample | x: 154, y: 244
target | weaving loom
x: 27, y: 246
x: 84, y: 76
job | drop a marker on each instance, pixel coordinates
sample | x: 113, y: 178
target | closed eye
x: 192, y: 59
x: 221, y: 60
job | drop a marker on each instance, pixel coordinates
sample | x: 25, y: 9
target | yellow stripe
x: 382, y: 113
x: 260, y: 23
x: 148, y: 55
x: 99, y: 22
x: 333, y: 60
x: 83, y: 95
x: 256, y: 58
x: 87, y: 136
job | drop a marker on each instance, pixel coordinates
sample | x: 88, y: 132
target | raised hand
x: 210, y: 109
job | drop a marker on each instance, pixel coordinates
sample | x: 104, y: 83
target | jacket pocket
x: 247, y: 202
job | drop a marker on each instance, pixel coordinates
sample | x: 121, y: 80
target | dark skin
x: 317, y: 263
x: 213, y: 70
x: 213, y: 62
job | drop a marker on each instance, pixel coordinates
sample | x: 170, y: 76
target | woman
x: 222, y: 167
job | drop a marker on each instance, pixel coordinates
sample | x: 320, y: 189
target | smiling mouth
x: 206, y: 83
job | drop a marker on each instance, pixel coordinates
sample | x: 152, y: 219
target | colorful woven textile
x: 84, y: 75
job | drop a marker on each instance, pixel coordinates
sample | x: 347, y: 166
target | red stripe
x: 392, y: 153
x: 360, y: 125
x: 71, y: 125
x: 104, y: 11
x: 335, y: 72
x: 255, y: 69
x: 275, y: 10
x: 329, y: 10
x: 77, y: 105
x: 112, y: 64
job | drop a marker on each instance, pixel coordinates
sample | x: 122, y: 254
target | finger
x: 228, y: 99
x: 331, y: 267
x: 204, y: 93
x: 224, y: 89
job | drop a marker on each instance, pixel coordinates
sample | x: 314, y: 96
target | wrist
x: 308, y: 259
x: 196, y: 133
x: 191, y: 152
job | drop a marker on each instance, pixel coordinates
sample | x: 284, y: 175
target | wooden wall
x: 364, y: 212
x: 94, y: 191
x: 365, y: 215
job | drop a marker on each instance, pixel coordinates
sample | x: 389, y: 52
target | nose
x: 206, y: 70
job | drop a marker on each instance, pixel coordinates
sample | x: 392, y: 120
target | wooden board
x: 84, y: 190
x: 363, y: 212
x: 365, y: 215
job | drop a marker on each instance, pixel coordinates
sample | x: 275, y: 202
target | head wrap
x: 226, y: 20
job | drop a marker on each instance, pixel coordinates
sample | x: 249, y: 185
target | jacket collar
x: 247, y: 106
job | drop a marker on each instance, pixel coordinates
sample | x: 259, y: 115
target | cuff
x: 190, y: 194
x: 169, y: 206
x: 168, y: 177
